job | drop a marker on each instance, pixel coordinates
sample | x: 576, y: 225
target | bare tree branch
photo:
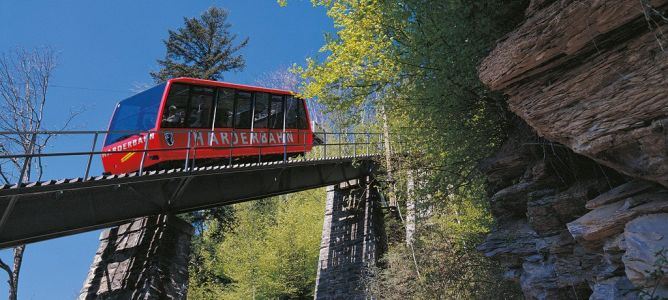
x: 24, y: 81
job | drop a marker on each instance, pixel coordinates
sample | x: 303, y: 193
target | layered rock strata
x: 591, y: 75
x: 580, y: 189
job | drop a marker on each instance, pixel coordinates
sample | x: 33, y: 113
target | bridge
x: 40, y: 210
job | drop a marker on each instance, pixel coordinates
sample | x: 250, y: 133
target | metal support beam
x: 44, y: 211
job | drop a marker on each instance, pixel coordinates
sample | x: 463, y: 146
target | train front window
x: 260, y: 112
x: 242, y: 110
x: 174, y: 113
x: 135, y: 115
x: 225, y: 108
x: 188, y: 106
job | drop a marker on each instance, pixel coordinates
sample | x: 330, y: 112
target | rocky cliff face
x: 580, y: 189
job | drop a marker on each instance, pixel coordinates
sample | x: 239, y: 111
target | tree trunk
x: 388, y: 158
x: 410, y: 207
x: 24, y: 114
x: 19, y: 250
x: 14, y: 280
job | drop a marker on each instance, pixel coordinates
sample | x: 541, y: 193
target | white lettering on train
x: 199, y: 138
x: 129, y: 144
x: 215, y: 139
x: 224, y: 139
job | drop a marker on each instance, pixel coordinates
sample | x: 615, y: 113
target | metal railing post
x: 285, y: 148
x: 381, y: 142
x: 259, y: 158
x: 368, y: 141
x: 231, y: 146
x: 354, y: 144
x: 325, y: 142
x: 185, y: 168
x: 90, y: 157
x: 143, y: 154
x: 340, y: 145
x: 194, y: 150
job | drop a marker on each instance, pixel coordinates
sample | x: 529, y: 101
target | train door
x: 200, y: 120
x: 187, y: 121
x: 275, y: 125
x: 222, y: 138
x: 240, y: 123
x: 259, y: 128
x: 243, y: 121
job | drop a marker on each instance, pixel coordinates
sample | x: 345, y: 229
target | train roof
x: 231, y: 85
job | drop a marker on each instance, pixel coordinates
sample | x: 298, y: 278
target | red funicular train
x: 207, y: 121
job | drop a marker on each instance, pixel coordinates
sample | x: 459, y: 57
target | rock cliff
x: 580, y: 188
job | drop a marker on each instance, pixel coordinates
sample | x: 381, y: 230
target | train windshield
x: 135, y: 114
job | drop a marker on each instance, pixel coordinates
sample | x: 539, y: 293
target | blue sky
x: 106, y: 49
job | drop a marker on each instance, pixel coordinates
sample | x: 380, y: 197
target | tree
x: 413, y: 62
x: 202, y: 48
x: 272, y: 252
x: 24, y: 81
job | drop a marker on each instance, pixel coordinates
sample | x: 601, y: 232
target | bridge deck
x: 56, y: 208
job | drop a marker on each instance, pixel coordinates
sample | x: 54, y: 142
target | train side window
x: 242, y: 110
x: 201, y: 106
x: 260, y: 112
x: 291, y: 111
x: 276, y: 112
x: 174, y: 112
x: 292, y: 119
x: 303, y: 123
x: 225, y: 109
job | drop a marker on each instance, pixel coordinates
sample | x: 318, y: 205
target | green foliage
x: 449, y: 266
x: 418, y: 59
x: 271, y: 252
x: 360, y: 61
x: 202, y: 48
x: 414, y: 62
x: 211, y: 227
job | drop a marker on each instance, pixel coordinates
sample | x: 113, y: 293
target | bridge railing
x: 86, y: 147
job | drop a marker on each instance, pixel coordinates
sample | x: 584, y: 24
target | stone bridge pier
x: 147, y: 258
x: 353, y: 238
